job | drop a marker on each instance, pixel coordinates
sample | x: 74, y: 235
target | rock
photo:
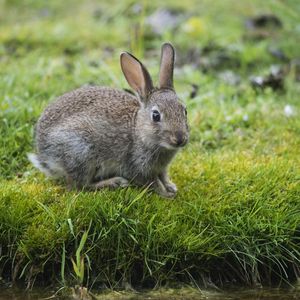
x: 264, y: 21
x: 289, y: 111
x: 274, y: 80
x: 163, y: 20
x: 262, y: 26
x: 230, y: 77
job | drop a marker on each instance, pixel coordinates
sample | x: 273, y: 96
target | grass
x: 237, y: 215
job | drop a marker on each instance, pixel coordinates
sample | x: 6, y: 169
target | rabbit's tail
x: 39, y: 164
x: 47, y: 165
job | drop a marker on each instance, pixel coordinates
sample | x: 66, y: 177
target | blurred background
x: 237, y: 64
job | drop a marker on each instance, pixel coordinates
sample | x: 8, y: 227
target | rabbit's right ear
x: 166, y: 66
x: 136, y: 74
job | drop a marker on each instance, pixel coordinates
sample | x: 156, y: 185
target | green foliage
x: 236, y: 216
x: 79, y: 265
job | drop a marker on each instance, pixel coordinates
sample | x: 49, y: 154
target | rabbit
x: 97, y: 137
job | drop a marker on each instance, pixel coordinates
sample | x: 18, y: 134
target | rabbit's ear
x: 136, y: 74
x: 166, y: 66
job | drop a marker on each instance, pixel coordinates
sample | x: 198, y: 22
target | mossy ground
x: 237, y: 214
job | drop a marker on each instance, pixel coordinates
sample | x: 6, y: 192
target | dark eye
x: 185, y: 111
x: 155, y: 116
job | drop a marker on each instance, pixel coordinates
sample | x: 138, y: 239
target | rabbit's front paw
x: 166, y: 194
x: 164, y: 191
x: 171, y: 187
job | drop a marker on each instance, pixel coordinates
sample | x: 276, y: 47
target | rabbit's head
x: 162, y: 119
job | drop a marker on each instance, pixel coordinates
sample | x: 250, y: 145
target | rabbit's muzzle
x: 179, y: 139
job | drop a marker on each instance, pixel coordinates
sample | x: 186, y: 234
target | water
x: 162, y: 294
x: 192, y: 294
x: 22, y: 294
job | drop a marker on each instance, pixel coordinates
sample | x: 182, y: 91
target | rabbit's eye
x: 185, y: 111
x: 155, y: 116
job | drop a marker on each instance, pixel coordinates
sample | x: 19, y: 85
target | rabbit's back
x: 114, y: 105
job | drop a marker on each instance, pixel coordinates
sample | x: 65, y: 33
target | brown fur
x: 99, y: 137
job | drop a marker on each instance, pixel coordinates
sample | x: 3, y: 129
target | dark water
x: 163, y: 294
x: 21, y: 294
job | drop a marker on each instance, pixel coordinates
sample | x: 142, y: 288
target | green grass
x: 237, y: 214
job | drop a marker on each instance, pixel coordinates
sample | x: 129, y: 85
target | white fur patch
x: 54, y: 170
x: 33, y: 158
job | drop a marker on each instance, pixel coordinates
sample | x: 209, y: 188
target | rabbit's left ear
x: 136, y: 74
x: 166, y: 66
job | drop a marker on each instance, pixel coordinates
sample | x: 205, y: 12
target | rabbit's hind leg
x: 111, y: 183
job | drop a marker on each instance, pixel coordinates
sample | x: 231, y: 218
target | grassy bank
x: 237, y: 214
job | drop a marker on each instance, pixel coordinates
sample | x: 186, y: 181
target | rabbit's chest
x: 151, y: 163
x: 161, y: 160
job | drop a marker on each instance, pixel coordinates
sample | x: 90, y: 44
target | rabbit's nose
x: 180, y: 139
